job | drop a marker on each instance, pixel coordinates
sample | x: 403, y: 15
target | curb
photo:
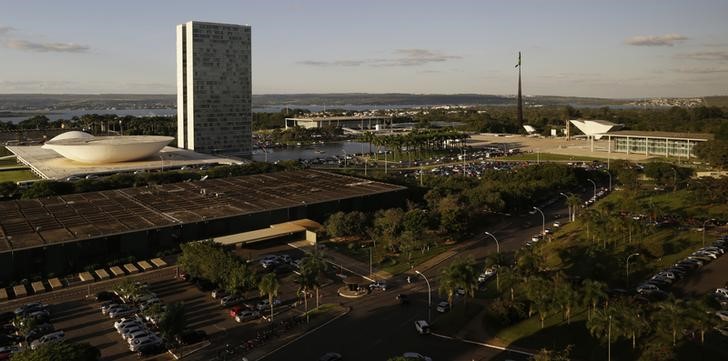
x: 483, y: 344
x: 305, y: 334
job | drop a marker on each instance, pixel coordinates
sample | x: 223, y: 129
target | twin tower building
x: 214, y: 92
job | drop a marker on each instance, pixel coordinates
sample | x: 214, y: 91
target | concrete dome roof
x: 74, y: 134
x: 113, y: 149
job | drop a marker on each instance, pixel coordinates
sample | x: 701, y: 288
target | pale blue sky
x: 609, y: 48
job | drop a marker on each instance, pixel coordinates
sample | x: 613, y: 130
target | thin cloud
x: 701, y: 70
x: 719, y: 55
x: 655, y: 40
x: 402, y: 57
x: 6, y: 30
x: 25, y: 45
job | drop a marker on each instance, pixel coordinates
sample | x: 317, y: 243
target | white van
x: 422, y: 327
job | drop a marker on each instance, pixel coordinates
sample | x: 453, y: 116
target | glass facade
x: 665, y: 147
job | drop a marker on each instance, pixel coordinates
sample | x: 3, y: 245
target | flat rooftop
x: 665, y: 135
x: 30, y: 223
x: 48, y: 164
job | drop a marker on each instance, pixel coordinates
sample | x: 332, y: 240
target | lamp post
x: 567, y: 203
x: 371, y: 250
x: 497, y: 245
x: 609, y: 340
x: 429, y: 297
x: 543, y: 219
x: 595, y: 188
x: 610, y: 179
x: 628, y: 257
x: 704, y: 223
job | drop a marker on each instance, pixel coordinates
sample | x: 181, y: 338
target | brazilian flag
x: 519, y: 60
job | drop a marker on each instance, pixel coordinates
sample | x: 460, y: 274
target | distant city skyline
x: 614, y: 49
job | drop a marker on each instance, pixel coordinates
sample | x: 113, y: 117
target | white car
x: 443, y: 307
x: 230, y: 300
x: 557, y: 224
x: 416, y: 356
x: 131, y: 329
x: 150, y: 339
x: 722, y: 291
x: 647, y: 288
x: 422, y: 327
x: 723, y: 315
x: 126, y: 321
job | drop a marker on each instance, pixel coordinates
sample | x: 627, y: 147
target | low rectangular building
x: 666, y: 144
x: 358, y: 122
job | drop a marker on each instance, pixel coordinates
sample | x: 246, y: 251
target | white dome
x: 74, y: 134
x: 112, y: 149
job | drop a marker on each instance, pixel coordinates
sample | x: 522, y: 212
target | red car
x: 236, y: 310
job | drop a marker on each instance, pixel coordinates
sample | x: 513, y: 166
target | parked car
x: 38, y: 331
x: 422, y: 327
x: 722, y: 291
x: 150, y: 349
x: 105, y: 296
x: 723, y: 315
x: 152, y: 339
x: 647, y: 288
x: 247, y: 315
x: 136, y: 334
x: 131, y: 328
x: 264, y: 305
x: 230, y: 300
x: 51, y: 337
x: 331, y: 356
x: 443, y: 307
x: 122, y: 312
x: 415, y: 356
x: 30, y: 307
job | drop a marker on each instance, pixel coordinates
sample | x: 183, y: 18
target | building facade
x: 666, y: 144
x: 214, y: 90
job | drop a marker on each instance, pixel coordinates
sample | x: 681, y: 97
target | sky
x: 608, y: 48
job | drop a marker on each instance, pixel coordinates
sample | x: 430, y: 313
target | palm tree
x: 602, y: 322
x: 701, y: 317
x: 269, y: 285
x: 459, y: 274
x: 634, y: 322
x: 316, y: 264
x: 670, y: 316
x: 593, y: 292
x: 307, y: 281
x: 564, y: 296
x: 573, y: 201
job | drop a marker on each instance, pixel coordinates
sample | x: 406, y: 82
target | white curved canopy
x: 113, y: 149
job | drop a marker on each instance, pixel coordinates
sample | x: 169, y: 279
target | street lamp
x: 567, y: 203
x: 497, y: 245
x: 543, y: 218
x: 595, y: 188
x: 429, y: 297
x: 628, y: 257
x: 704, y: 223
x: 610, y: 179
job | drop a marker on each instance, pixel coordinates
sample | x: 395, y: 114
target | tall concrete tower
x: 214, y: 91
x: 520, y: 99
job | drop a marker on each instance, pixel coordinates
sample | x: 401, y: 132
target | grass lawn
x: 16, y: 175
x: 10, y: 162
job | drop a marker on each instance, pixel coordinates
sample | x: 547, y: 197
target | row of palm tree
x: 417, y: 141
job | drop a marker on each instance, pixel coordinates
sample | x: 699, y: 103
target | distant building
x: 357, y: 122
x: 593, y: 128
x: 666, y: 144
x: 214, y: 90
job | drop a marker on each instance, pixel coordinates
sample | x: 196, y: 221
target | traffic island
x: 354, y: 287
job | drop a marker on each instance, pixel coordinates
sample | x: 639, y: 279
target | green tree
x: 8, y: 189
x: 553, y: 355
x: 714, y: 152
x: 459, y: 274
x: 268, y: 286
x: 700, y: 317
x: 48, y: 188
x: 307, y: 281
x: 592, y: 293
x: 316, y: 264
x: 670, y: 317
x: 59, y: 351
x: 174, y: 320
